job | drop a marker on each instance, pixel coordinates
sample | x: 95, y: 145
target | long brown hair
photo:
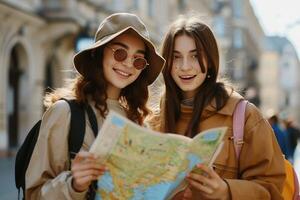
x: 210, y: 88
x: 93, y: 84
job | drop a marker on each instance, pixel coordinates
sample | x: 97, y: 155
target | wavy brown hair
x: 210, y: 88
x: 92, y: 84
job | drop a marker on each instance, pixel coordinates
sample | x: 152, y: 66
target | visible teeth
x: 122, y: 73
x: 186, y: 76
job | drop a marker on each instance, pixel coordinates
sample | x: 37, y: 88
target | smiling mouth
x: 121, y: 73
x: 187, y: 77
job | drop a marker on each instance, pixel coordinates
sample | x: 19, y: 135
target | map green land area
x: 144, y: 164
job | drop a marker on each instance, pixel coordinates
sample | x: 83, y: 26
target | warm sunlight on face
x: 120, y: 74
x: 186, y: 70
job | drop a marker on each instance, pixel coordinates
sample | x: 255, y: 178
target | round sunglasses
x: 121, y: 54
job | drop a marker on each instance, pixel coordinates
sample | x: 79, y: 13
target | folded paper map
x: 144, y: 164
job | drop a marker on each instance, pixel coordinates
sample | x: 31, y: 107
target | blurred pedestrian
x: 281, y: 135
x: 293, y: 135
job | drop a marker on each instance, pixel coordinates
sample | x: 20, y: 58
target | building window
x: 219, y: 26
x: 237, y: 8
x: 286, y: 65
x: 237, y: 38
x: 287, y: 100
x: 181, y: 5
x: 217, y: 6
x: 118, y: 5
x: 150, y: 8
x: 52, y: 4
x: 135, y: 4
x: 83, y: 43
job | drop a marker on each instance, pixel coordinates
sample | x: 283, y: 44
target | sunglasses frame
x: 132, y: 59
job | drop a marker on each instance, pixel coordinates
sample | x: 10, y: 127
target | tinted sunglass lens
x: 139, y: 63
x: 120, y: 55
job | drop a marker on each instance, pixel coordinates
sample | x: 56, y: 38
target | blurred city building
x: 279, y: 78
x: 38, y: 39
x: 241, y: 38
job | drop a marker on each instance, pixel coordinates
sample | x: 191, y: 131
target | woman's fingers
x: 88, y: 165
x: 93, y: 172
x: 85, y: 168
x: 82, y: 183
x: 199, y: 185
x: 208, y: 184
x: 85, y: 161
x: 184, y: 195
x: 207, y: 170
x: 83, y: 155
x: 84, y: 178
x: 187, y: 194
x: 206, y: 174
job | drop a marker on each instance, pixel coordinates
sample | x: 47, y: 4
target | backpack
x: 291, y: 185
x: 75, y: 140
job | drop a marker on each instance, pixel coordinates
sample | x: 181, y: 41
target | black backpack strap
x: 77, y: 127
x: 23, y: 157
x: 92, y: 119
x: 77, y: 132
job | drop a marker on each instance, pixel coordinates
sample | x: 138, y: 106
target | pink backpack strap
x: 238, y: 126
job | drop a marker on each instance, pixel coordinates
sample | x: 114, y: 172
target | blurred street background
x: 259, y: 44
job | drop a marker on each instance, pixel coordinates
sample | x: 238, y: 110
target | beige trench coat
x: 48, y: 176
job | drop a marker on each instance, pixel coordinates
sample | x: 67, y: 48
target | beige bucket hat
x: 113, y: 26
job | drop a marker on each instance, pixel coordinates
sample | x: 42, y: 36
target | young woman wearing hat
x: 114, y: 75
x: 195, y: 101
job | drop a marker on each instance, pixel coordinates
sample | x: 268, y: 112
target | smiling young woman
x: 195, y: 100
x: 113, y: 74
x: 118, y: 72
x: 186, y: 70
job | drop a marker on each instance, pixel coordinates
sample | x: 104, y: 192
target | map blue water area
x: 138, y: 194
x: 118, y: 121
x: 180, y: 177
x: 163, y: 190
x: 194, y: 160
x: 158, y: 191
x: 98, y: 197
x: 105, y: 183
x: 212, y: 136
